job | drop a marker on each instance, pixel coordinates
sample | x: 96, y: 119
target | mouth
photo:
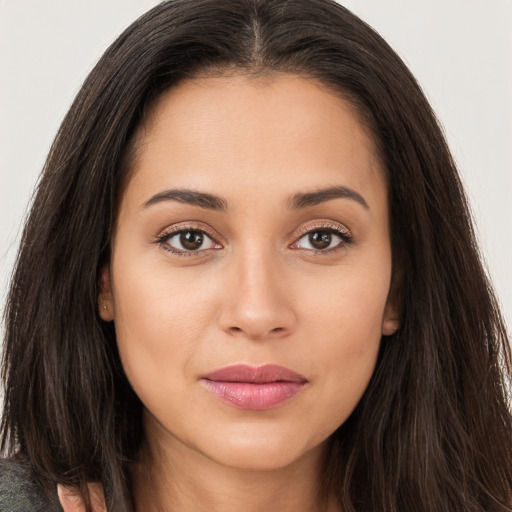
x: 254, y: 388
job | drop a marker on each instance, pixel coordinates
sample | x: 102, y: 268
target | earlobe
x: 105, y: 299
x: 390, y: 320
x: 390, y: 327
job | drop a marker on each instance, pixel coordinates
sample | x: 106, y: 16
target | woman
x: 249, y: 279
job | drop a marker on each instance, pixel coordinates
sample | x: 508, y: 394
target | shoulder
x: 18, y: 492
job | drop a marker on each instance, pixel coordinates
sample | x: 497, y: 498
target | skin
x: 257, y: 291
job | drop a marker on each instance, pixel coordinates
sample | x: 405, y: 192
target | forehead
x: 257, y: 132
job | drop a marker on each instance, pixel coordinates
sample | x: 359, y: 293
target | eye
x: 186, y: 241
x: 323, y: 240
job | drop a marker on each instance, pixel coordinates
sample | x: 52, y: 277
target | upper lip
x: 255, y: 374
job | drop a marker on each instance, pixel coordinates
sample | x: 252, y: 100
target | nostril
x: 276, y: 330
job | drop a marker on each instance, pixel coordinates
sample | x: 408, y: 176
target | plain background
x: 459, y: 50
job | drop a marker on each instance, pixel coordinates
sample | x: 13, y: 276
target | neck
x: 165, y: 480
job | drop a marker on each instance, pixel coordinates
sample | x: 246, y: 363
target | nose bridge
x: 257, y: 305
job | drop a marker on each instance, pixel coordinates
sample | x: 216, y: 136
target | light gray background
x: 460, y: 51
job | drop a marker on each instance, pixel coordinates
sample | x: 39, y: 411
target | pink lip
x: 254, y: 388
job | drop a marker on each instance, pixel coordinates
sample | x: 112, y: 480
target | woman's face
x: 253, y: 232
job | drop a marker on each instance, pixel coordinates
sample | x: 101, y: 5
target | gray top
x: 19, y: 494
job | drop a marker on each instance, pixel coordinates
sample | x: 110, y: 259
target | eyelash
x: 164, y: 237
x: 326, y: 227
x: 335, y: 229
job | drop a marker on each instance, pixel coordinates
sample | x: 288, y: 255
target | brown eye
x: 320, y: 239
x: 191, y: 240
x: 323, y: 240
x: 188, y: 241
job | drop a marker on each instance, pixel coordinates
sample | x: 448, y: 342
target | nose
x: 258, y: 299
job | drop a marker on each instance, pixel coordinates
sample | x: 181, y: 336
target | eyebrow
x: 321, y: 196
x: 298, y: 201
x: 191, y: 197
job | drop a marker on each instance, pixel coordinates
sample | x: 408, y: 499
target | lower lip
x: 254, y: 396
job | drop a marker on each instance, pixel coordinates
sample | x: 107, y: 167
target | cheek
x: 348, y: 308
x: 345, y: 320
x: 159, y: 318
x: 346, y: 362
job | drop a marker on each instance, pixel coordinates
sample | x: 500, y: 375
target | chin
x: 264, y: 454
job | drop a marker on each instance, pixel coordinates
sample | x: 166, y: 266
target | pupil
x: 191, y: 240
x: 320, y: 239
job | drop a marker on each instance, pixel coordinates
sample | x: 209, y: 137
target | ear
x: 105, y: 298
x: 391, y: 317
x: 390, y: 320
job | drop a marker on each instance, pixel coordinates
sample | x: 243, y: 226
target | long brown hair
x: 433, y: 430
